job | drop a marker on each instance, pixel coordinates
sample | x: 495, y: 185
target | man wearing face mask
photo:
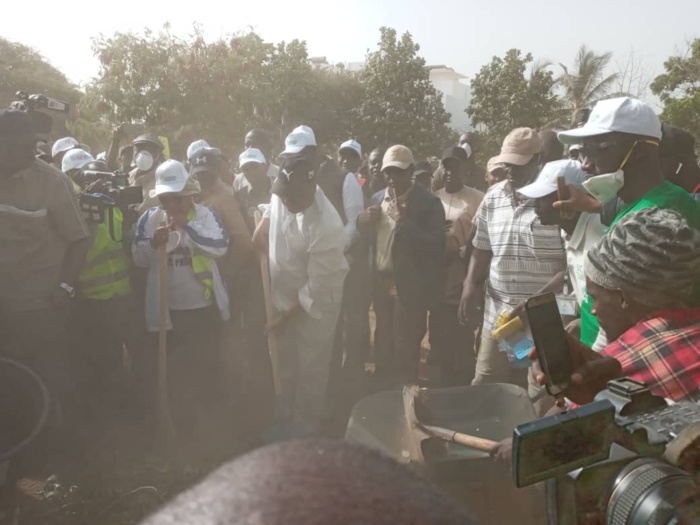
x: 514, y: 256
x: 43, y: 244
x: 621, y: 154
x: 148, y: 155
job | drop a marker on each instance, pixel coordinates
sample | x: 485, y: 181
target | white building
x: 453, y: 86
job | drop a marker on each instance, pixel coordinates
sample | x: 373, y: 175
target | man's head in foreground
x: 397, y: 167
x: 313, y: 483
x: 17, y: 141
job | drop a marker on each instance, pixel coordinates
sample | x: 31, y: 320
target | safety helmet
x: 148, y: 138
x: 75, y: 159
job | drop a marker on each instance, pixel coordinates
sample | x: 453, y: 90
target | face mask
x: 143, y: 160
x: 605, y: 187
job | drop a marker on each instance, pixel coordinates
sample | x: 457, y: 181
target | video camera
x: 103, y: 192
x: 34, y: 102
x: 628, y: 458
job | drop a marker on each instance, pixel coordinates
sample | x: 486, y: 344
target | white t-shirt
x: 185, y: 291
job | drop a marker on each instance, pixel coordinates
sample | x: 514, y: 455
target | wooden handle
x: 164, y: 411
x: 270, y: 313
x: 474, y: 442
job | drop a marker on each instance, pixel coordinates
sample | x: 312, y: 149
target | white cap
x: 466, y: 147
x: 624, y: 115
x: 353, y: 145
x: 63, y: 144
x: 298, y: 139
x: 193, y: 148
x: 172, y: 177
x: 546, y: 182
x: 75, y: 159
x: 251, y: 155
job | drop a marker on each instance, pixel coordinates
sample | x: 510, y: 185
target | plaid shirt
x: 663, y: 352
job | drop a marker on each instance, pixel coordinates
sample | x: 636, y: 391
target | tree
x: 584, y: 84
x: 24, y: 69
x: 634, y: 77
x: 504, y: 99
x: 400, y: 105
x: 679, y: 90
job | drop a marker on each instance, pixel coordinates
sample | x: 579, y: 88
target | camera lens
x: 650, y: 492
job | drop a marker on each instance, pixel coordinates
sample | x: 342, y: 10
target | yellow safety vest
x: 106, y: 270
x: 201, y: 266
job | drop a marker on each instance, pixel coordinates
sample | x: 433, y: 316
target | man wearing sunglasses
x: 620, y: 153
x: 194, y: 237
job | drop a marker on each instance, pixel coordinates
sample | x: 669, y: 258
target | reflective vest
x: 201, y: 266
x: 106, y: 270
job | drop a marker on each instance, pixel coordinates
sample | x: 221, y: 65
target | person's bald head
x: 552, y: 149
x: 313, y: 483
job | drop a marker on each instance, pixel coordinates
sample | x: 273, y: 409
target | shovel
x: 411, y: 397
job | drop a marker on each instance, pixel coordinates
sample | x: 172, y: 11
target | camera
x: 105, y: 191
x: 32, y: 103
x: 628, y: 458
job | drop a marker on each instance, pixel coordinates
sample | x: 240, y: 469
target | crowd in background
x: 366, y: 253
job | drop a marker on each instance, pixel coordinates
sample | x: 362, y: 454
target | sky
x: 462, y: 34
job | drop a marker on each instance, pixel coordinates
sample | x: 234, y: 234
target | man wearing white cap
x: 620, y: 153
x: 197, y: 297
x: 252, y: 186
x: 514, y: 256
x: 61, y: 147
x: 72, y: 162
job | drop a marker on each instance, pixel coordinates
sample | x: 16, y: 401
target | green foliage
x: 679, y: 90
x: 503, y: 98
x: 584, y: 84
x: 400, y: 105
x: 186, y: 88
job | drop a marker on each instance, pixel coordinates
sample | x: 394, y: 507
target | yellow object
x: 505, y: 328
x: 166, y: 146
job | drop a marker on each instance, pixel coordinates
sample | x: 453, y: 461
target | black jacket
x: 418, y: 250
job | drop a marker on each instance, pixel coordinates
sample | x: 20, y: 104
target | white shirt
x: 353, y: 204
x: 185, y: 291
x: 526, y: 254
x: 307, y: 261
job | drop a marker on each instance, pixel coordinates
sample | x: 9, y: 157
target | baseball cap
x: 251, y: 155
x: 63, y: 144
x: 493, y: 165
x: 455, y: 152
x: 17, y: 125
x: 546, y: 182
x: 353, y: 145
x: 295, y: 170
x: 298, y: 139
x: 624, y: 115
x: 466, y: 147
x: 397, y: 156
x: 193, y: 148
x: 75, y: 159
x: 172, y: 177
x: 205, y: 159
x: 519, y: 147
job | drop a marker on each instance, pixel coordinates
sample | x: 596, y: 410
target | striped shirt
x: 526, y: 254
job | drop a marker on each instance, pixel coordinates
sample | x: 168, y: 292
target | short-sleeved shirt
x: 665, y: 196
x: 526, y: 254
x: 39, y: 218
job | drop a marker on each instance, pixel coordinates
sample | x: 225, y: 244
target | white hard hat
x: 75, y: 159
x: 63, y: 144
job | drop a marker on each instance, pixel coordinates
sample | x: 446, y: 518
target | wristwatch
x: 68, y: 289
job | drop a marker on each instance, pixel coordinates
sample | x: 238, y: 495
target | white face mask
x: 143, y: 160
x: 605, y: 187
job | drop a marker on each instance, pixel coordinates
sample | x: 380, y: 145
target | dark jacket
x: 418, y: 250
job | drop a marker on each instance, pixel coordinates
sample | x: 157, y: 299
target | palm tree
x: 585, y: 84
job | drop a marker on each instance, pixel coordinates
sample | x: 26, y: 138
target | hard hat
x: 64, y: 144
x: 148, y: 138
x: 75, y: 159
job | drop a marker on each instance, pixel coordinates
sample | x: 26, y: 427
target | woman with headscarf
x: 640, y: 278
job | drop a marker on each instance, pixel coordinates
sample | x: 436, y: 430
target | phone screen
x: 550, y: 340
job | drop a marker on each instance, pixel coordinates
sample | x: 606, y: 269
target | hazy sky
x: 463, y: 34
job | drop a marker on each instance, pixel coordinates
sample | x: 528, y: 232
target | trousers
x: 305, y: 349
x: 492, y: 365
x: 453, y: 344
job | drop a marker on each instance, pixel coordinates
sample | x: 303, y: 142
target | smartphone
x: 549, y: 337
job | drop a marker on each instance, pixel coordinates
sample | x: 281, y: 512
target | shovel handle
x: 474, y: 442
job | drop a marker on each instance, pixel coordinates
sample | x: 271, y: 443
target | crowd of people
x: 607, y: 210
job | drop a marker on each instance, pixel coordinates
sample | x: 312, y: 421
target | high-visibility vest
x: 201, y: 266
x: 106, y: 270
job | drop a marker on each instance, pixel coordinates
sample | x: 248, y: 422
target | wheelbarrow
x: 488, y: 412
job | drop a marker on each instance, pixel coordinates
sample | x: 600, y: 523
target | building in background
x: 453, y: 86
